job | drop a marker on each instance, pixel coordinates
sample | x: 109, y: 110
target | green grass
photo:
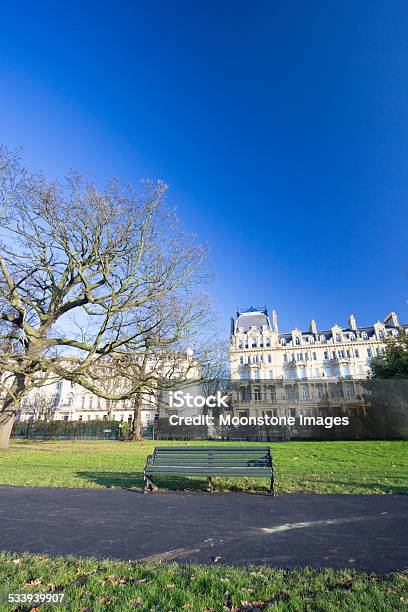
x: 317, y: 467
x: 91, y: 586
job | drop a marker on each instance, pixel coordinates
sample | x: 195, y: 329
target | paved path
x: 367, y: 532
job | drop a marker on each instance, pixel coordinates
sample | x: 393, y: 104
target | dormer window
x: 322, y: 338
x: 282, y: 341
x: 338, y: 338
x: 352, y: 336
x: 381, y: 333
x: 364, y: 335
x: 311, y: 340
x: 395, y: 333
x: 297, y: 341
x: 253, y: 342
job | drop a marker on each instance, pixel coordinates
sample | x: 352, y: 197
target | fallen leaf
x: 136, y: 603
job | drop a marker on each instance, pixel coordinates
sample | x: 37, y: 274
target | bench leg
x: 210, y: 485
x: 272, y: 490
x: 149, y: 484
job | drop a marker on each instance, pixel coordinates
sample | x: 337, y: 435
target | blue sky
x: 281, y: 127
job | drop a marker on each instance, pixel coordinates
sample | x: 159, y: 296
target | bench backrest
x: 226, y: 456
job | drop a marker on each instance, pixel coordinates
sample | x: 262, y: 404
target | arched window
x: 364, y: 335
x: 322, y: 338
x: 352, y: 336
x: 395, y: 333
x: 311, y: 339
x: 283, y: 341
x: 338, y: 338
x: 70, y: 399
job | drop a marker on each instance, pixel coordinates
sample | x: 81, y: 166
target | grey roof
x: 252, y: 319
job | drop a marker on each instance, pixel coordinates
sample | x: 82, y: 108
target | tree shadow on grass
x: 372, y: 486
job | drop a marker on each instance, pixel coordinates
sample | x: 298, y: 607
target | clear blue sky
x: 282, y: 128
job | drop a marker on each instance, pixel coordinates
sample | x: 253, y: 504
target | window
x: 314, y: 355
x: 311, y: 340
x: 270, y: 374
x: 328, y: 371
x: 286, y: 373
x: 241, y: 360
x: 297, y: 341
x: 326, y: 354
x: 282, y: 341
x: 302, y: 372
x: 369, y: 353
x: 90, y: 402
x: 270, y: 413
x: 304, y: 394
x: 348, y: 353
x: 285, y: 357
x: 364, y: 335
x: 253, y: 342
x: 395, y: 333
x: 316, y: 372
x: 257, y: 394
x: 268, y: 342
x: 381, y: 333
x: 356, y: 353
x: 80, y: 418
x: 269, y: 358
x: 88, y: 417
x: 338, y: 338
x: 322, y: 338
x: 341, y: 354
x: 378, y: 351
x: 65, y: 417
x: 352, y: 336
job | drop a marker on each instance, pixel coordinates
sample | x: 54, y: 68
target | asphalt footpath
x: 365, y: 532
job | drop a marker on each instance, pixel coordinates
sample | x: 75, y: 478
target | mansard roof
x: 251, y: 317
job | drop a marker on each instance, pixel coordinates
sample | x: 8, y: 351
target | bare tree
x: 91, y: 281
x: 40, y: 407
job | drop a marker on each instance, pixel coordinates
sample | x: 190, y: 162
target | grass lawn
x: 90, y: 586
x: 317, y: 467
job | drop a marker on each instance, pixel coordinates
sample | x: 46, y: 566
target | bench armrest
x: 149, y: 460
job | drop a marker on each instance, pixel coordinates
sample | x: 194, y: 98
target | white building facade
x: 258, y: 351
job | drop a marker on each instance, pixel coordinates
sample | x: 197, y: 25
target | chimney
x: 391, y: 319
x: 275, y: 321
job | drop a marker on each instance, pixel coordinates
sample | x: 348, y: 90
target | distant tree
x: 41, y: 408
x: 88, y: 277
x: 394, y: 362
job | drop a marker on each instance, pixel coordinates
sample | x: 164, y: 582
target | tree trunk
x: 6, y: 425
x: 137, y: 418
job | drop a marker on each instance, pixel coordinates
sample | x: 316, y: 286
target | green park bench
x: 209, y: 461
